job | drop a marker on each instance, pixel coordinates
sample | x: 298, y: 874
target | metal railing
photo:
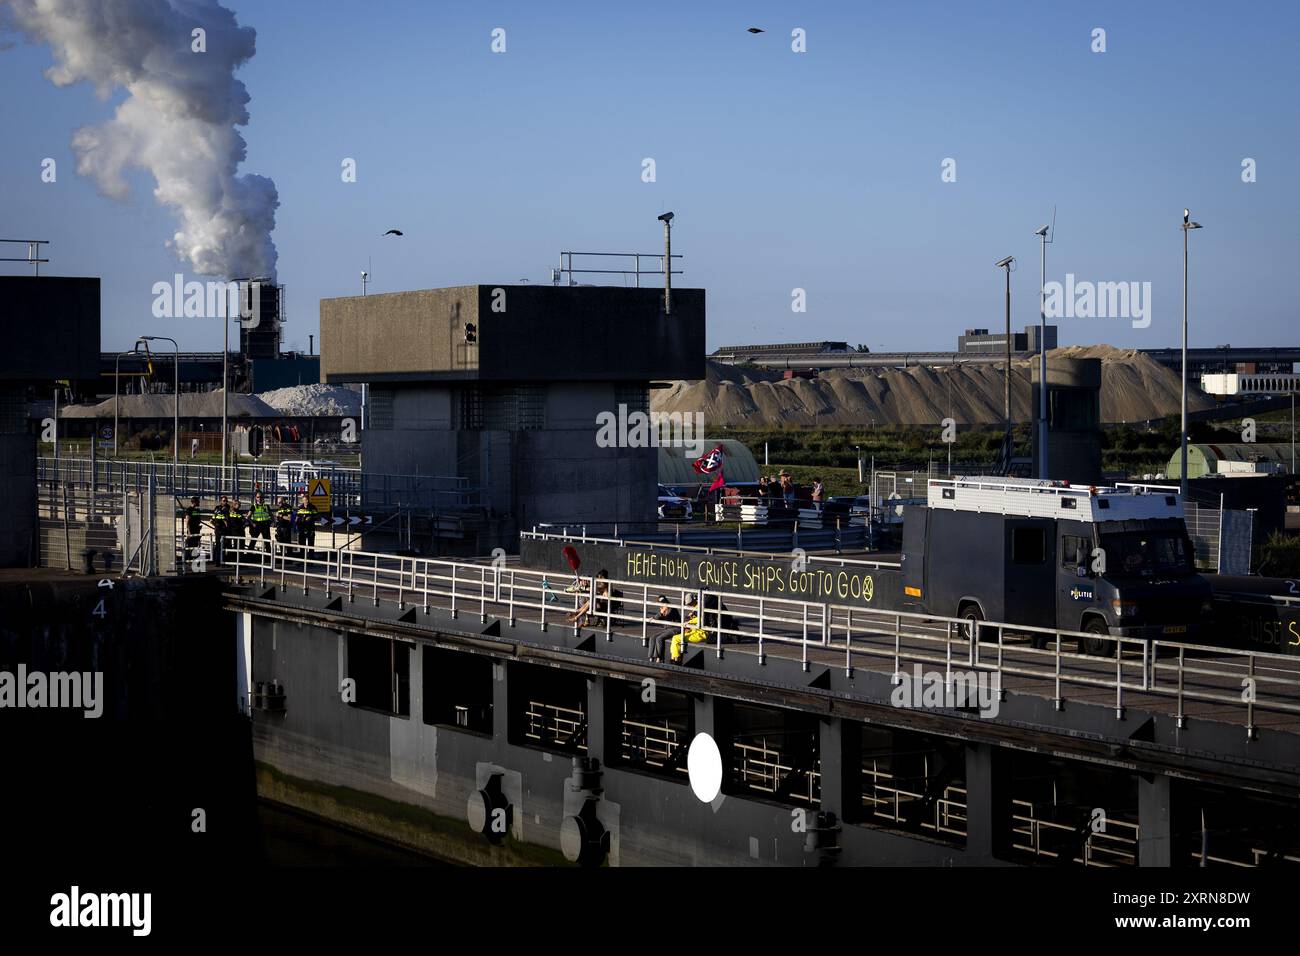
x: 350, y: 488
x: 1179, y: 673
x: 764, y: 768
x: 886, y: 797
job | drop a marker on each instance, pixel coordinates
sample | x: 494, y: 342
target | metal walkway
x: 1246, y: 689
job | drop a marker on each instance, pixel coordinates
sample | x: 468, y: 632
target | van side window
x: 1028, y: 545
x: 1074, y: 551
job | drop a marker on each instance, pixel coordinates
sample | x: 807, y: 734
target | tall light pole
x: 225, y: 383
x: 1187, y: 227
x: 1041, y: 233
x: 667, y: 220
x: 117, y: 388
x: 1006, y: 438
x: 176, y: 403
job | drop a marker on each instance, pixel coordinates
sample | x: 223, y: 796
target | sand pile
x: 1134, y: 387
x: 305, y: 401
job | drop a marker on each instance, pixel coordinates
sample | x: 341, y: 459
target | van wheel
x: 1096, y: 646
x: 970, y: 613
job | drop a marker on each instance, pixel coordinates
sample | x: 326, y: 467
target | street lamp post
x: 1006, y: 438
x: 117, y: 389
x: 225, y: 383
x: 176, y: 403
x: 667, y: 220
x: 1041, y: 233
x: 1187, y: 227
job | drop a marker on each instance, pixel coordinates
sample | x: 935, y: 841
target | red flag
x: 711, y: 464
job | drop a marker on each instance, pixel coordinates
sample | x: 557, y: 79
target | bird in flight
x: 393, y: 232
x: 754, y: 30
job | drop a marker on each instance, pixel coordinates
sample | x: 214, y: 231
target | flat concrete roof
x: 522, y: 333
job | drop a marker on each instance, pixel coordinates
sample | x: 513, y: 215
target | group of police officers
x: 228, y: 520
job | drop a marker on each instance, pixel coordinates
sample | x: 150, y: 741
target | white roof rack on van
x: 1028, y: 498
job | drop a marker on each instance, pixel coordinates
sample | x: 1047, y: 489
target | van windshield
x: 1140, y: 553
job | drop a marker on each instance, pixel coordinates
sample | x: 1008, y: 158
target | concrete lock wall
x: 523, y: 333
x: 51, y: 328
x: 550, y: 471
x: 1074, y: 431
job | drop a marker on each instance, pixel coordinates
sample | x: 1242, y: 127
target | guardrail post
x: 510, y: 608
x: 455, y: 611
x: 482, y: 593
x: 1058, y: 703
x: 804, y: 661
x: 1250, y: 701
x: 1180, y: 718
x: 424, y: 590
x: 1119, y: 679
x: 848, y: 643
x: 897, y: 677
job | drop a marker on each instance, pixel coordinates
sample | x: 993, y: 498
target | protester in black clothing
x: 193, y: 519
x: 284, y: 522
x: 667, y: 614
x: 236, y: 523
x: 220, y: 528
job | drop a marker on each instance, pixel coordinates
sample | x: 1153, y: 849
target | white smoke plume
x: 179, y: 120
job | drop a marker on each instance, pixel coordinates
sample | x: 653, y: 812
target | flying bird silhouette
x: 754, y: 30
x: 393, y: 232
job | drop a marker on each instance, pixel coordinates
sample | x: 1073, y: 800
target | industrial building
x: 501, y: 386
x: 740, y: 354
x: 981, y: 340
x: 1249, y: 383
x: 1243, y: 458
x: 256, y: 364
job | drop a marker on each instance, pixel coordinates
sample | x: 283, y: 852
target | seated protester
x: 691, y: 633
x: 667, y: 614
x: 713, y: 607
x: 581, y: 617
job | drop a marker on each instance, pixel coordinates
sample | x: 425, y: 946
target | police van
x: 1105, y: 561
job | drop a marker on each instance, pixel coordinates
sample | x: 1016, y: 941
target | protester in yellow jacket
x: 692, y: 632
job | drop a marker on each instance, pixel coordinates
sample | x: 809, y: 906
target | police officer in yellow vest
x: 259, y: 520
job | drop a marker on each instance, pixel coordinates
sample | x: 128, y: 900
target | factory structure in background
x: 256, y: 363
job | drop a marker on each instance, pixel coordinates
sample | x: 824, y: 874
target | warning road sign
x: 318, y: 492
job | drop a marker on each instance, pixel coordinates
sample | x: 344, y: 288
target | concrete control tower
x: 502, y: 385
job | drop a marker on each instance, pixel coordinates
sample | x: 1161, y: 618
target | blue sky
x: 818, y: 170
